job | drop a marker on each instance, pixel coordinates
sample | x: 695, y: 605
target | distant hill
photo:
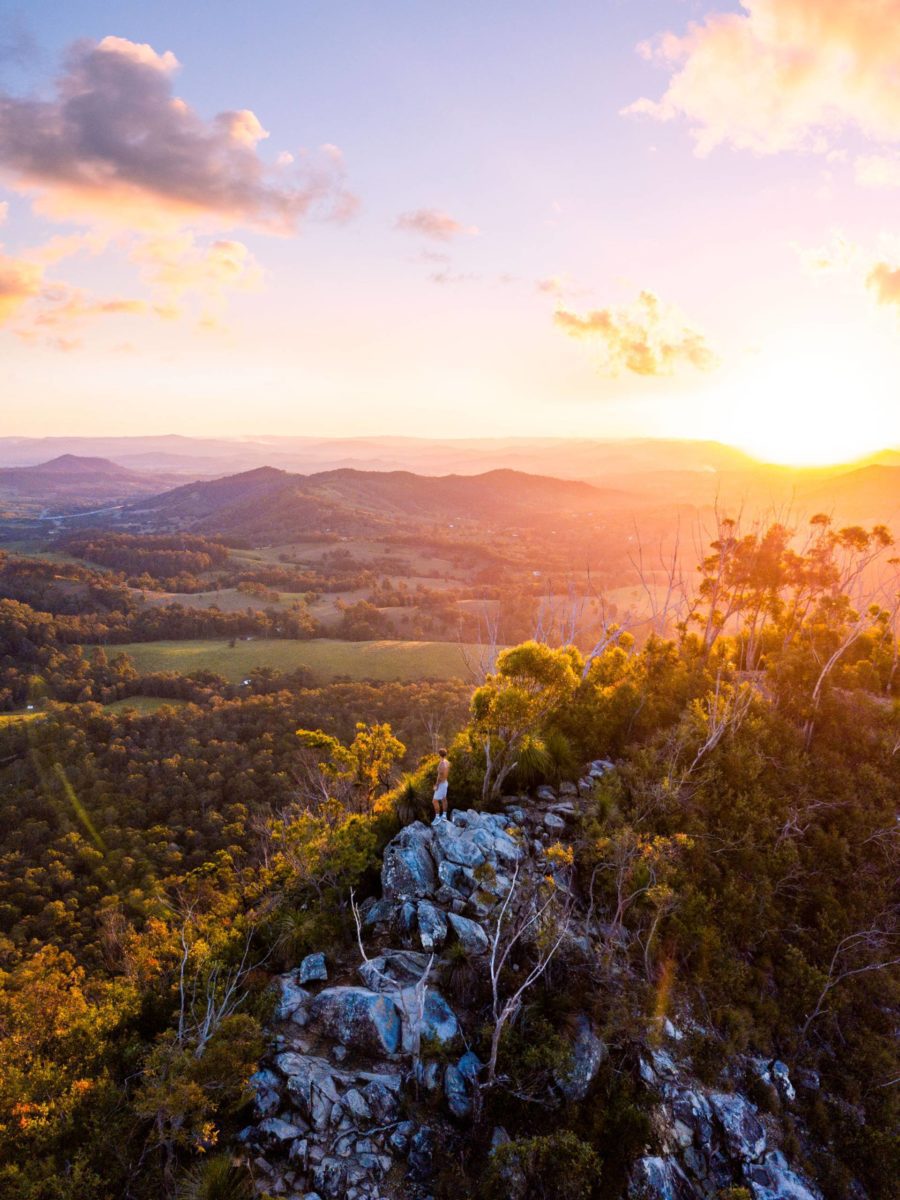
x: 865, y: 496
x: 73, y: 481
x: 269, y: 503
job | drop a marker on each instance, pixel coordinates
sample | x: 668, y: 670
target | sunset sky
x: 605, y: 218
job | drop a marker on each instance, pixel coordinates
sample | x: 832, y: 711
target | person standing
x: 440, y: 791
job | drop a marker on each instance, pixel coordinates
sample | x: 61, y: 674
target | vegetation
x: 157, y: 867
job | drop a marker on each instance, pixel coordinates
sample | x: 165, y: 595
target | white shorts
x: 440, y: 792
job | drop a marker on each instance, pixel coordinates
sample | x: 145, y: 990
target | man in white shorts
x: 440, y: 791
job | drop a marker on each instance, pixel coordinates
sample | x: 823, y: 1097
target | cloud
x: 878, y: 170
x: 644, y: 338
x: 179, y: 265
x: 435, y: 224
x: 783, y: 74
x: 20, y: 281
x: 116, y: 145
x: 884, y: 281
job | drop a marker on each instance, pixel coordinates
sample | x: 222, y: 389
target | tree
x: 363, y: 768
x: 511, y: 706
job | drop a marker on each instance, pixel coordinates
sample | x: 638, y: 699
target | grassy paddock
x: 326, y: 658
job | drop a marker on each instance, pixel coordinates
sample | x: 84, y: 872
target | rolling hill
x: 269, y: 503
x: 74, y: 481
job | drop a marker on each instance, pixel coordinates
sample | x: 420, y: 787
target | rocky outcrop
x: 709, y: 1139
x: 371, y: 1078
x: 357, y: 1063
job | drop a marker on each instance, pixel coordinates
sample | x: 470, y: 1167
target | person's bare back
x: 441, y: 786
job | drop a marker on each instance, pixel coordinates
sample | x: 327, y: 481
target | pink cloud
x: 435, y: 224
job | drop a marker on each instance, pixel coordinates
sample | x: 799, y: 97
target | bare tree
x: 525, y: 917
x: 879, y: 940
x: 480, y: 658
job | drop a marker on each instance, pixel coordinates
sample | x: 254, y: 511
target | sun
x: 811, y: 404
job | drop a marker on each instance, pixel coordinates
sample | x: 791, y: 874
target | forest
x: 158, y: 870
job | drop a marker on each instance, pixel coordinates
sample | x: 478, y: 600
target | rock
x: 691, y: 1110
x: 421, y: 1155
x: 459, y: 879
x: 588, y: 1052
x: 356, y: 1104
x: 469, y: 934
x: 358, y: 1018
x: 545, y: 794
x: 313, y: 969
x: 274, y: 1130
x: 656, y: 1178
x: 568, y: 789
x: 456, y: 1093
x: 599, y: 767
x: 782, y: 1080
x: 499, y: 1137
x: 565, y: 809
x: 379, y: 913
x: 432, y: 925
x: 585, y: 786
x: 458, y: 847
x: 408, y: 868
x: 399, y: 1138
x: 437, y: 1021
x: 469, y: 1066
x: 554, y: 824
x: 774, y: 1180
x: 329, y: 1178
x: 743, y: 1131
x: 266, y: 1086
x: 381, y: 1098
x: 291, y: 998
x: 393, y: 970
x: 428, y: 1074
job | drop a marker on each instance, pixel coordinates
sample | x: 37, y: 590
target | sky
x: 338, y: 217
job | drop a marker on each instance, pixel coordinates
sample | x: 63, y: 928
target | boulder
x: 599, y: 767
x: 421, y: 1154
x: 266, y: 1086
x: 469, y: 934
x: 588, y: 1052
x: 545, y: 794
x: 408, y: 868
x: 432, y: 925
x: 774, y: 1180
x: 742, y: 1129
x: 292, y: 998
x: 458, y: 879
x: 456, y: 1093
x: 437, y: 1021
x: 458, y: 847
x: 313, y: 969
x: 554, y: 824
x: 273, y: 1131
x: 360, y: 1019
x: 657, y: 1178
x: 393, y: 970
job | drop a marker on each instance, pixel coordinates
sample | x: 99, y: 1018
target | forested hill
x: 272, y: 503
x: 708, y: 916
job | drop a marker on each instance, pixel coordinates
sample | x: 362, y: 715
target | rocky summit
x: 370, y: 1079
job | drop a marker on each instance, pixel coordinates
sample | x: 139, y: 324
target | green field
x: 143, y: 704
x: 324, y: 657
x: 16, y: 718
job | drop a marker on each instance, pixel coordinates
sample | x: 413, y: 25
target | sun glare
x: 805, y: 407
